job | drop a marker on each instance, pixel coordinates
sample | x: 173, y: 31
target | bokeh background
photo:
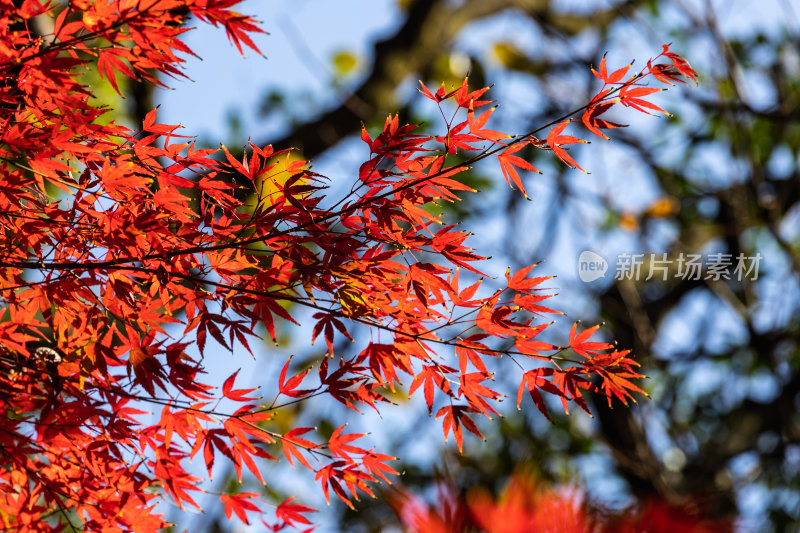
x: 721, y: 430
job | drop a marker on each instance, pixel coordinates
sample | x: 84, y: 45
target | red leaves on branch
x: 455, y: 419
x: 633, y: 97
x: 432, y: 376
x: 508, y: 161
x: 615, y: 77
x: 291, y: 514
x: 579, y: 342
x: 680, y: 68
x: 240, y: 504
x: 555, y: 141
x: 116, y: 242
x: 293, y: 445
x: 526, y: 505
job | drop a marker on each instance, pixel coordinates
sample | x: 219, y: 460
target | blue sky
x: 224, y: 81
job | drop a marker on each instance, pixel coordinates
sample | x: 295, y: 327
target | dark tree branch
x: 430, y: 29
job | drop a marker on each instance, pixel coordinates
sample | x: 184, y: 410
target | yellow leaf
x: 278, y: 171
x: 344, y: 62
x: 663, y: 207
x: 509, y: 55
x: 628, y: 222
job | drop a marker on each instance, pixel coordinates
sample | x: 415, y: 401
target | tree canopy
x: 132, y: 256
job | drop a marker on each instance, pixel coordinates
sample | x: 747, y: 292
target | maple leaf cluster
x: 525, y: 505
x: 114, y: 239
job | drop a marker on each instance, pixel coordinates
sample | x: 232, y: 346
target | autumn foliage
x: 114, y: 239
x: 526, y: 505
